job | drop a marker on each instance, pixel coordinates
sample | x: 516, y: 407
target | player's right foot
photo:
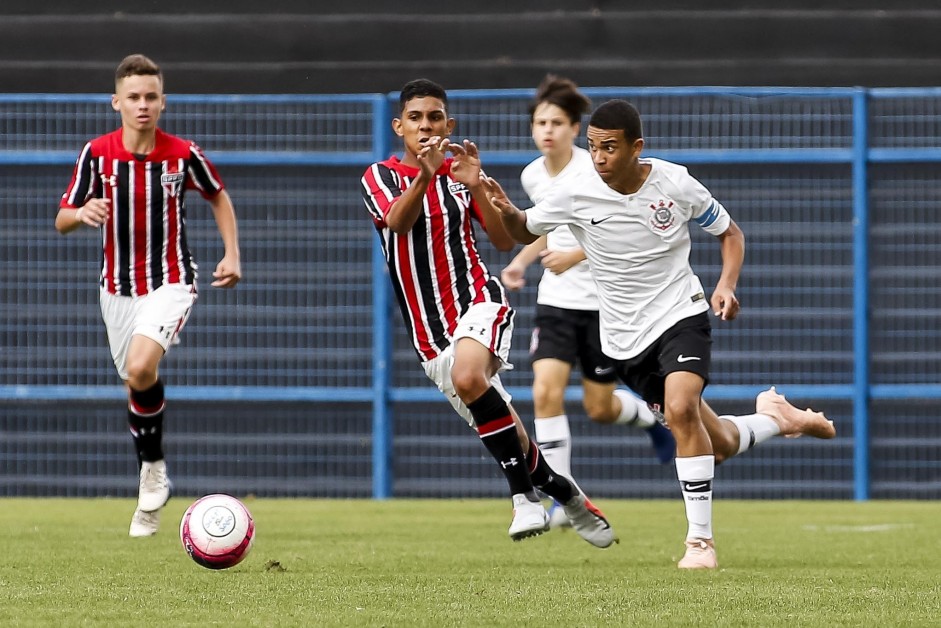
x: 144, y: 523
x: 793, y: 422
x: 589, y: 522
x: 700, y: 554
x: 529, y: 518
x: 661, y: 438
x: 154, y: 486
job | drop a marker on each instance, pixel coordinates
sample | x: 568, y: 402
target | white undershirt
x: 575, y: 288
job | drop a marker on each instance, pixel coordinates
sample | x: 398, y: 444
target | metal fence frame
x: 382, y: 395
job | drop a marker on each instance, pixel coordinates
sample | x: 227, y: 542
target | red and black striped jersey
x: 144, y: 240
x: 436, y: 270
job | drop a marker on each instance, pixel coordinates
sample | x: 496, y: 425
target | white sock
x: 752, y: 429
x: 695, y: 475
x: 555, y: 443
x: 633, y: 410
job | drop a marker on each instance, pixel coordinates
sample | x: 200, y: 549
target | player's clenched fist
x: 94, y: 213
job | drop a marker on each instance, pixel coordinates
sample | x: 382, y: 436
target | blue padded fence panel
x: 83, y: 449
x: 905, y: 232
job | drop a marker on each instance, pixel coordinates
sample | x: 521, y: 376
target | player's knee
x: 682, y: 412
x: 141, y: 375
x: 468, y: 384
x: 545, y: 396
x: 599, y: 411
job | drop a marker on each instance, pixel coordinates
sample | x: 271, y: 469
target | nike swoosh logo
x: 693, y: 487
x: 601, y: 371
x: 598, y: 221
x: 684, y: 358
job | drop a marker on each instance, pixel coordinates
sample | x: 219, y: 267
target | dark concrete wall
x: 296, y: 47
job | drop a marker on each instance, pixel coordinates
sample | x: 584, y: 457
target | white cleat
x: 557, y: 517
x: 589, y: 522
x: 154, y: 486
x: 144, y: 523
x: 793, y: 422
x: 529, y: 518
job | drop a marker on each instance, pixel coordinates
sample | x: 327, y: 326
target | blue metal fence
x: 836, y: 190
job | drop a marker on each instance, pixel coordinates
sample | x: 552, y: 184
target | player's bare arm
x: 560, y: 261
x: 407, y: 208
x: 513, y: 276
x: 466, y: 169
x: 93, y: 213
x: 732, y: 246
x: 513, y: 219
x: 229, y: 269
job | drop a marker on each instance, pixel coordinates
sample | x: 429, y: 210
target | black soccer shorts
x: 571, y: 336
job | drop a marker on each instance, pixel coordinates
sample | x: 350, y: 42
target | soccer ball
x: 217, y: 531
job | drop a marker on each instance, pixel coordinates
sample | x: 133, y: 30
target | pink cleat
x: 793, y: 422
x: 700, y: 554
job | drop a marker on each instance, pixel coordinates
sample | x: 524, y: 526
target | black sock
x: 545, y: 479
x: 145, y: 418
x: 497, y: 432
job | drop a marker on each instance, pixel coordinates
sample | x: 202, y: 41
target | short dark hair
x: 618, y: 114
x: 137, y: 65
x: 421, y: 88
x: 564, y: 94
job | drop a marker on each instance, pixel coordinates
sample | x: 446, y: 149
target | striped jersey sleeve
x: 202, y: 174
x: 84, y: 181
x: 381, y: 186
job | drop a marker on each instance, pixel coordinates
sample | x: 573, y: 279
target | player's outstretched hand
x: 497, y: 196
x: 466, y: 165
x: 228, y: 273
x: 431, y: 156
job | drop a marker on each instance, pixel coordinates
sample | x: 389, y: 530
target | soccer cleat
x: 557, y: 516
x: 529, y: 518
x: 588, y: 521
x: 661, y: 438
x: 154, y: 486
x: 144, y: 523
x: 793, y: 422
x: 700, y: 554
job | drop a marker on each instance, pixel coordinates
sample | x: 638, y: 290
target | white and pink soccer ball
x: 217, y: 531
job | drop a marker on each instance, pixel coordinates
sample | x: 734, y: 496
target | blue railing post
x: 382, y: 341
x: 861, y: 383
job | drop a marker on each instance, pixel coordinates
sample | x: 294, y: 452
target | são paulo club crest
x: 662, y: 217
x: 460, y: 191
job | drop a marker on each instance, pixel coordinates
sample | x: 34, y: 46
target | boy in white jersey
x: 566, y: 322
x: 632, y: 225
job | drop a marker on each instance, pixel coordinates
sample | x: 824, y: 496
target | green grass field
x: 450, y: 563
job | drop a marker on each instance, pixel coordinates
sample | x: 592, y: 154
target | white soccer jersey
x: 575, y: 288
x: 638, y: 247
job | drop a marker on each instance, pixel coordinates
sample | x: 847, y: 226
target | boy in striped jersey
x: 422, y: 207
x: 130, y: 184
